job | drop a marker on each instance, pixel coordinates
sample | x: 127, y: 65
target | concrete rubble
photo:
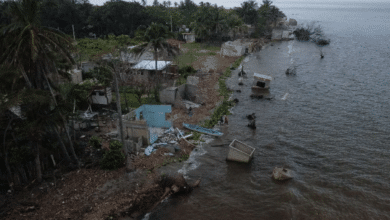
x: 241, y: 46
x: 281, y: 174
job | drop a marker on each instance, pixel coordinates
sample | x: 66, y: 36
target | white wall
x: 98, y: 97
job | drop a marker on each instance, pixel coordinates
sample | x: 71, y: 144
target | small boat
x: 202, y: 130
x: 261, y: 82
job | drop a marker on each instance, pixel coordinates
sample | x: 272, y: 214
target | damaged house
x: 145, y: 69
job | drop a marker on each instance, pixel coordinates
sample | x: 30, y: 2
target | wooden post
x: 52, y: 158
x: 73, y: 32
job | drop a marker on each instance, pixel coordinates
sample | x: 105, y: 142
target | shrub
x: 95, y: 142
x: 116, y: 145
x: 187, y: 70
x: 302, y: 34
x: 195, y: 136
x: 322, y: 42
x: 113, y: 159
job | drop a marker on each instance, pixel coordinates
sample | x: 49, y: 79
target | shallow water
x: 332, y: 131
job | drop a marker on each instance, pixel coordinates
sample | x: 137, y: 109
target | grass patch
x: 198, y: 46
x: 90, y: 49
x: 238, y: 62
x: 195, y: 136
x: 180, y: 81
x: 193, y: 53
x: 222, y: 109
x: 133, y: 102
x: 211, y: 53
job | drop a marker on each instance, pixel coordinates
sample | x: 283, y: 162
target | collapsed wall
x: 241, y: 46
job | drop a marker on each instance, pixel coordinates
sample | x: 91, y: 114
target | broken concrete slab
x: 276, y: 34
x: 285, y: 34
x: 280, y: 173
x: 190, y: 104
x: 292, y: 22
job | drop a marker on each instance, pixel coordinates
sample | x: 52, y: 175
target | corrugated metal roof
x: 151, y: 65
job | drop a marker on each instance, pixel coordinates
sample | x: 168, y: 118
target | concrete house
x: 102, y: 96
x: 189, y: 37
x: 146, y: 68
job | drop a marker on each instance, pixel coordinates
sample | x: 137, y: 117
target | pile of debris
x: 170, y: 140
x: 174, y: 42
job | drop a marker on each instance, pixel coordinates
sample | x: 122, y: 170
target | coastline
x: 191, y: 163
x: 120, y: 191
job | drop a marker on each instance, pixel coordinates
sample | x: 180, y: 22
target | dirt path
x: 207, y: 85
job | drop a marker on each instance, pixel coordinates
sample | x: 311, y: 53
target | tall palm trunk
x: 118, y: 105
x: 70, y: 141
x: 62, y: 145
x: 156, y: 58
x: 62, y: 117
x: 9, y: 172
x: 38, y: 163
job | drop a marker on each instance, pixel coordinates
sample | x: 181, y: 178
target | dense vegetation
x: 124, y: 17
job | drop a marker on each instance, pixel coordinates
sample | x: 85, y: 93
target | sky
x: 237, y: 3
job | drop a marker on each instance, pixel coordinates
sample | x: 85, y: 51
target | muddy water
x: 331, y: 130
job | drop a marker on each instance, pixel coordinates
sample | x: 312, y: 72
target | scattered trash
x: 242, y: 72
x: 291, y: 71
x: 202, y: 130
x: 149, y: 150
x: 252, y: 124
x: 240, y: 152
x: 285, y: 96
x: 180, y: 133
x: 240, y: 81
x: 169, y: 130
x: 185, y: 137
x: 169, y: 154
x: 189, y: 104
x: 251, y: 116
x: 256, y: 96
x: 280, y: 173
x: 224, y: 120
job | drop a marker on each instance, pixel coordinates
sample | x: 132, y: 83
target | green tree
x: 34, y: 51
x: 119, y: 17
x: 270, y: 12
x: 248, y: 12
x: 187, y: 8
x: 155, y: 37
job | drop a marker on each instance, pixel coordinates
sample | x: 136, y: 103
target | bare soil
x: 216, y: 65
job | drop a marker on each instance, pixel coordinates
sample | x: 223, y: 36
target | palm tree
x: 155, y: 38
x: 248, y: 12
x: 35, y: 51
x: 32, y: 48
